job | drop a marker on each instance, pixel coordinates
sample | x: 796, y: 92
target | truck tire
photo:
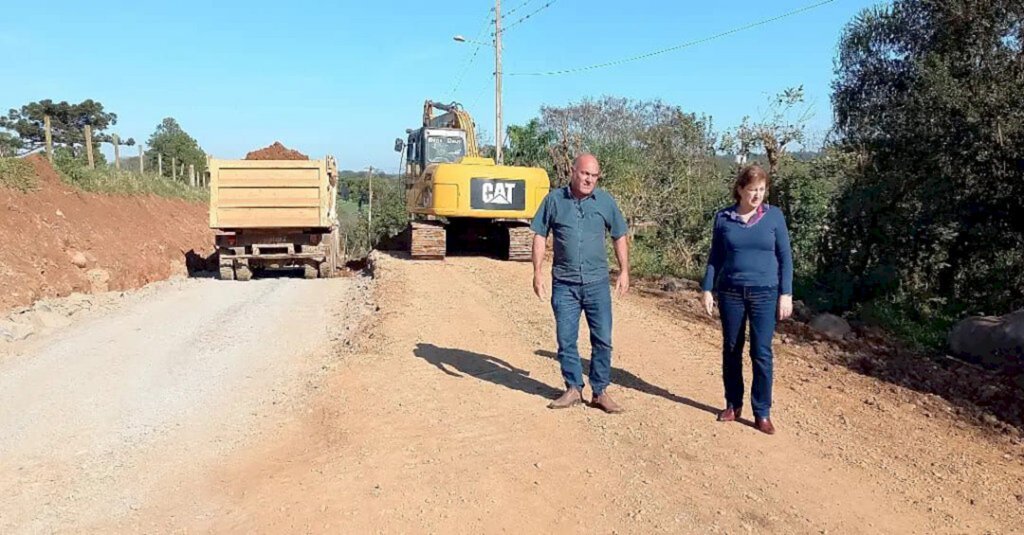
x: 330, y: 246
x: 243, y: 273
x: 226, y: 273
x: 333, y: 260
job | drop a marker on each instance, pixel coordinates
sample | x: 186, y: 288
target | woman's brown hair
x: 750, y: 174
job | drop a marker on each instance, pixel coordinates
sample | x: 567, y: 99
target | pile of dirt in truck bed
x: 277, y: 151
x: 58, y: 240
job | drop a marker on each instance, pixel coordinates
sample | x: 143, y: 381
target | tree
x: 529, y: 145
x: 485, y: 143
x: 804, y: 189
x: 10, y: 144
x: 929, y: 101
x: 784, y: 123
x: 67, y: 123
x: 389, y: 212
x: 170, y: 140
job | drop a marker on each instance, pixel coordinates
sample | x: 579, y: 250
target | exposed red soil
x: 277, y: 151
x: 58, y: 240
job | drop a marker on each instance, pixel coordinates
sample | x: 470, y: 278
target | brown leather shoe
x: 570, y: 398
x: 606, y: 403
x: 764, y: 425
x: 729, y: 414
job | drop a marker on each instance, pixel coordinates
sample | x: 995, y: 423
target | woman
x: 751, y: 268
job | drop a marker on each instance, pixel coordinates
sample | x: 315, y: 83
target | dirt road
x: 435, y: 422
x: 122, y: 409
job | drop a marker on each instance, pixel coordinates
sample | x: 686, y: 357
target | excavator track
x: 520, y: 243
x: 427, y: 240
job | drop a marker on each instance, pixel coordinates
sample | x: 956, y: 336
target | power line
x: 476, y: 50
x: 676, y: 47
x: 525, y: 17
x: 517, y: 8
x: 458, y: 81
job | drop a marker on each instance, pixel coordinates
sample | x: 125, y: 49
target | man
x: 579, y: 215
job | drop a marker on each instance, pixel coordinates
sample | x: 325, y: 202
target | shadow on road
x: 627, y: 379
x: 459, y: 363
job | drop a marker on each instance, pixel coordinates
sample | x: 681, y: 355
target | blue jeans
x: 595, y: 300
x: 737, y: 305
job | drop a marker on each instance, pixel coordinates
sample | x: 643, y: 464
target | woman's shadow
x: 626, y: 379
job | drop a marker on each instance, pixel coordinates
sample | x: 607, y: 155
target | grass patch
x: 122, y: 182
x: 919, y: 329
x: 18, y: 174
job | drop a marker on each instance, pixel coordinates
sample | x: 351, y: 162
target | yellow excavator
x: 456, y: 197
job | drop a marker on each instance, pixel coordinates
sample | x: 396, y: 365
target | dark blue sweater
x: 755, y: 255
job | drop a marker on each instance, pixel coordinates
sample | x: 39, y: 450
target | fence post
x: 160, y: 164
x: 49, y: 137
x: 192, y: 174
x: 88, y: 146
x: 174, y: 168
x: 117, y: 152
x: 142, y: 167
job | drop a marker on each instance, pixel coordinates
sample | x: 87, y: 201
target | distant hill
x: 346, y: 174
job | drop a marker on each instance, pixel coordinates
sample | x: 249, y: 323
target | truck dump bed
x: 264, y: 194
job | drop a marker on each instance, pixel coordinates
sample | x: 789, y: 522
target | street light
x: 497, y: 77
x: 461, y: 39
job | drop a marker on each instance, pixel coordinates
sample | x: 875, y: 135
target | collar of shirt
x: 733, y: 214
x: 570, y: 196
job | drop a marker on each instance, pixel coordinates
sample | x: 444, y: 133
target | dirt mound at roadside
x: 277, y: 151
x: 58, y: 239
x: 46, y: 173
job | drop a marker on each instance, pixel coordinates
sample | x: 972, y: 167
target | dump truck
x: 455, y: 196
x: 275, y: 214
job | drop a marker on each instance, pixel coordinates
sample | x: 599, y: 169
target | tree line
x: 22, y: 131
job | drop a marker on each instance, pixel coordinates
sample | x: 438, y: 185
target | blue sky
x: 348, y: 77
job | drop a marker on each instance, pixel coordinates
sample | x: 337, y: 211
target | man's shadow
x: 626, y: 379
x: 485, y: 367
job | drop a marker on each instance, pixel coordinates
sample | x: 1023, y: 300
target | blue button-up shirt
x: 580, y: 227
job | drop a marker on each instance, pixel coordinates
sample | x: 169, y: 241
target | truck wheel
x: 243, y: 273
x: 226, y: 273
x: 309, y: 272
x: 336, y: 254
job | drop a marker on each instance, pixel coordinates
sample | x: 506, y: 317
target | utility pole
x: 497, y: 83
x: 369, y: 211
x: 117, y: 152
x: 88, y: 146
x: 48, y: 133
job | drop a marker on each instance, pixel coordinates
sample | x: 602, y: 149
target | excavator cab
x: 444, y: 146
x: 427, y: 146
